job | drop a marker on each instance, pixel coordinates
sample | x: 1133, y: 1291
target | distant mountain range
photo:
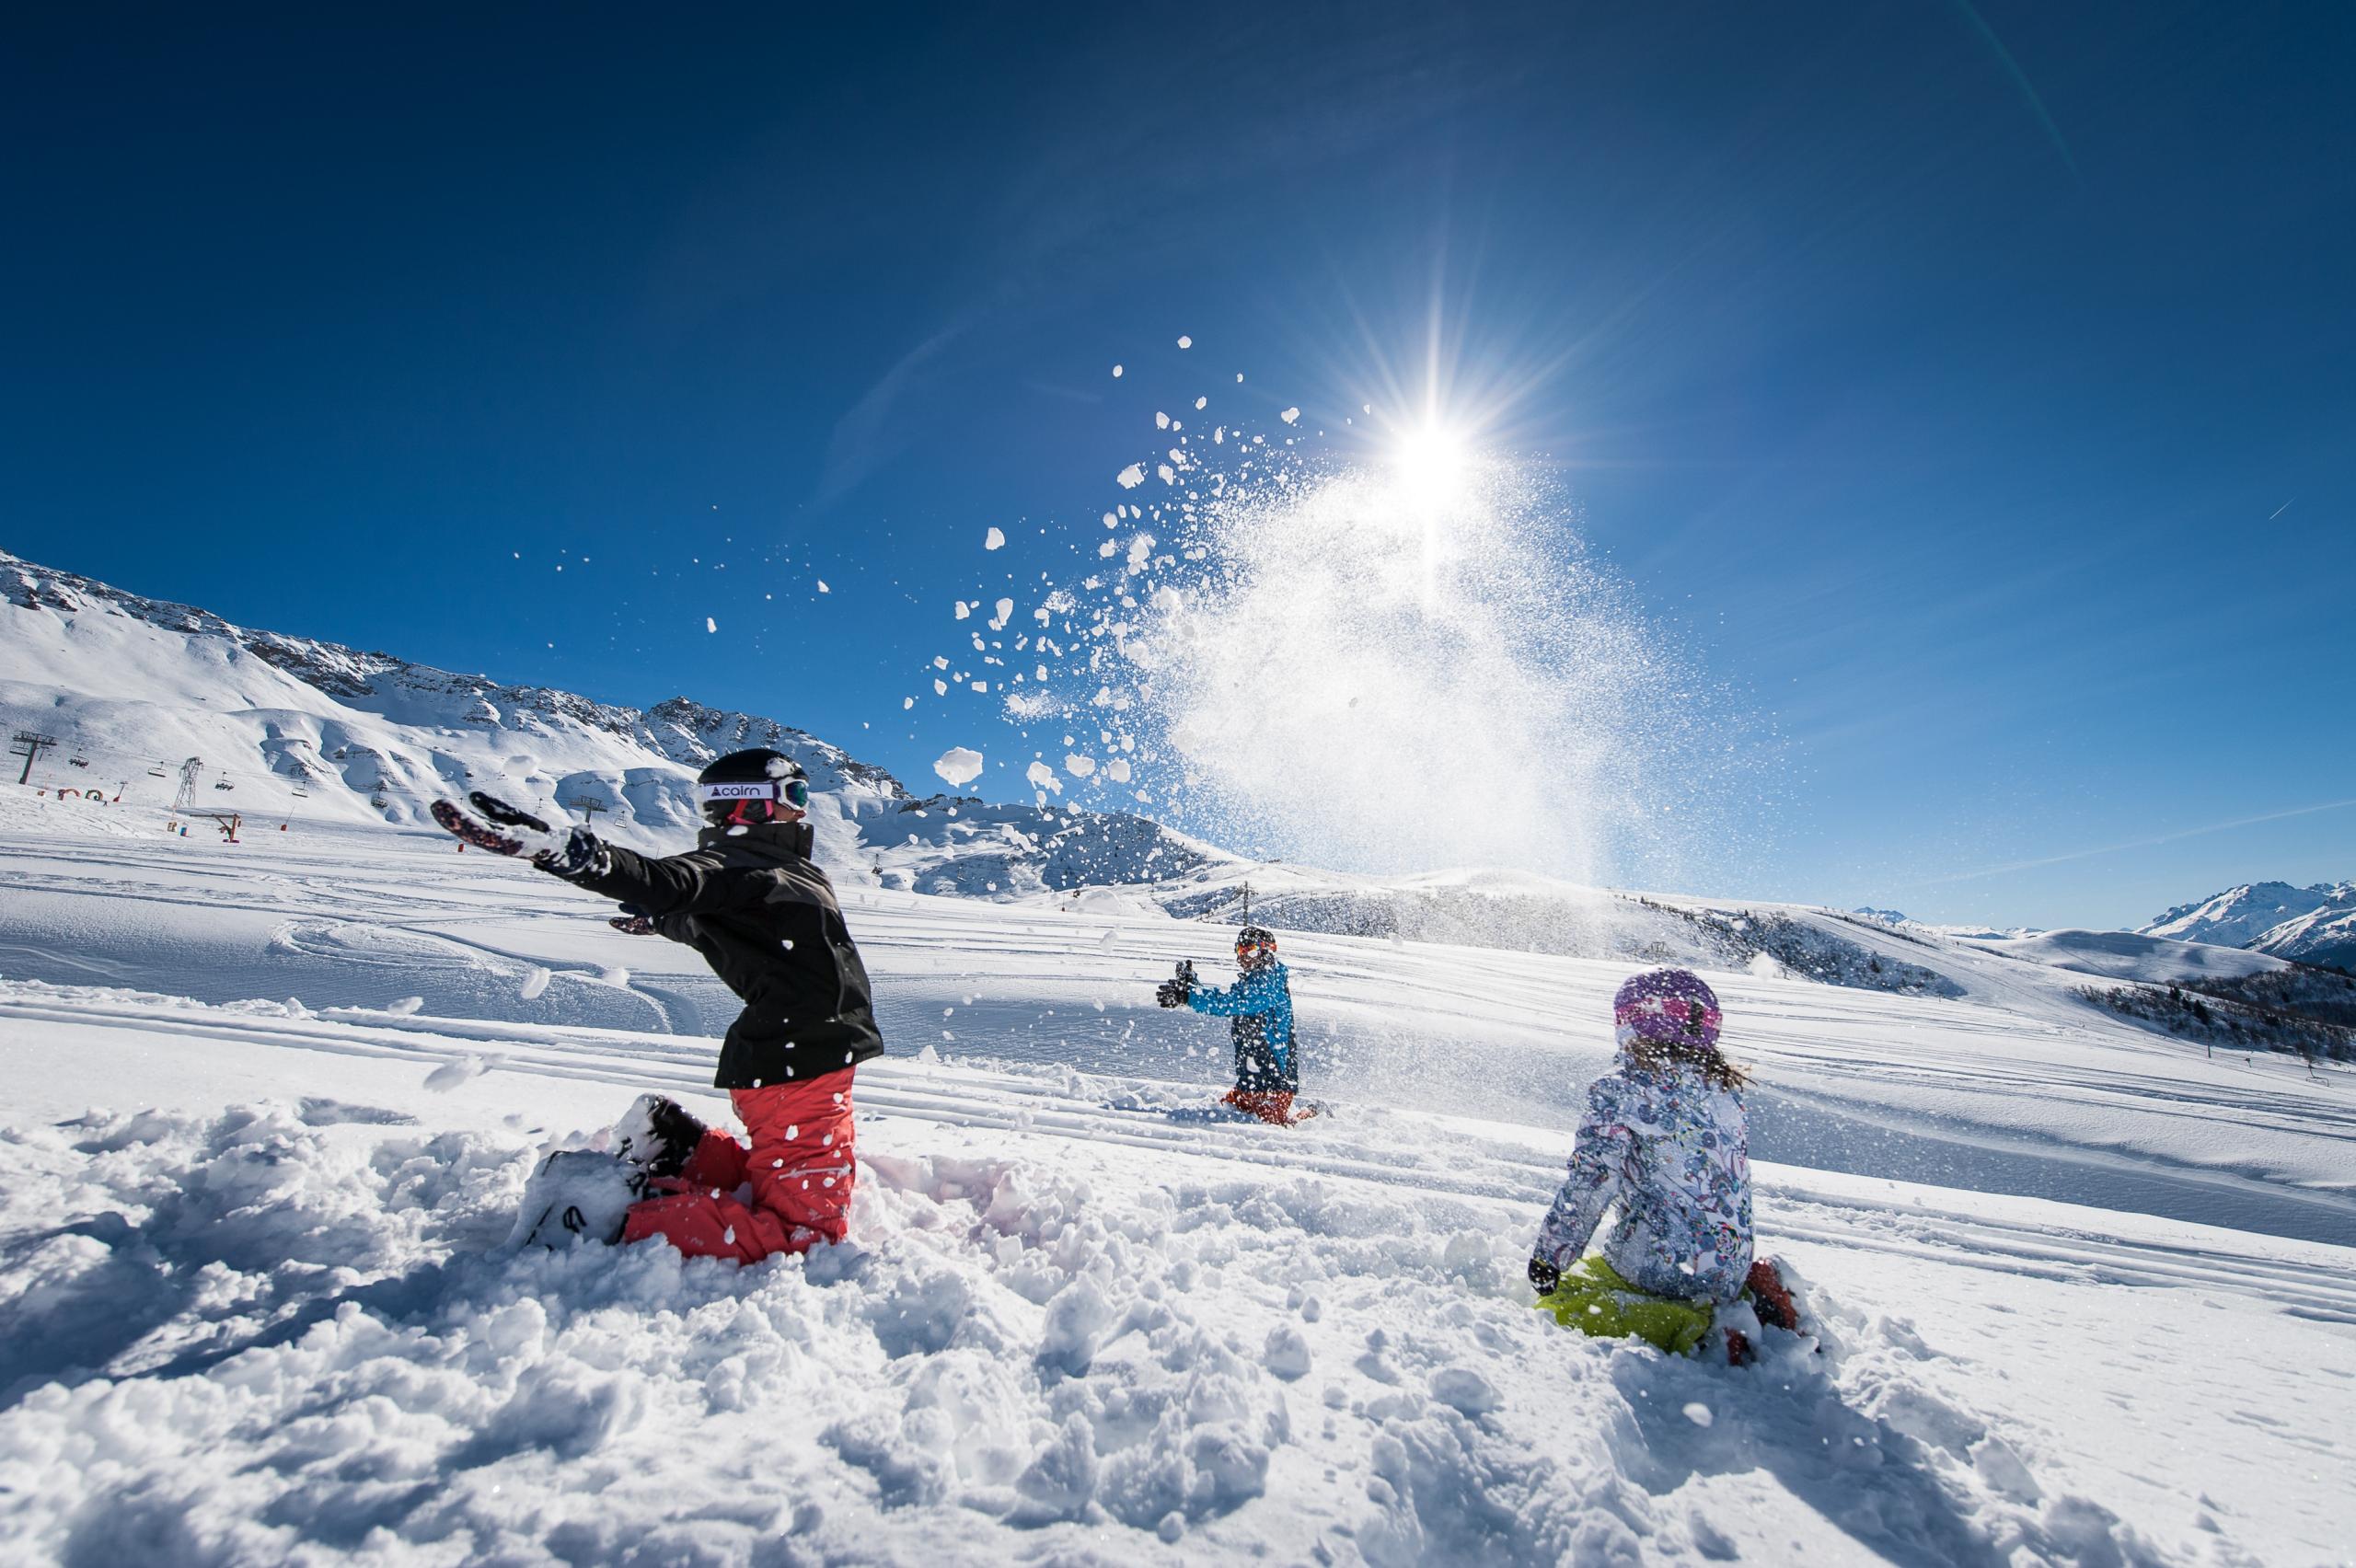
x: 290, y: 728
x: 2308, y: 925
x: 293, y: 731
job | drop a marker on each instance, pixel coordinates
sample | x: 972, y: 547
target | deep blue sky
x: 1970, y: 385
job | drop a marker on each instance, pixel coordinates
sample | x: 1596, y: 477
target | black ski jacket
x: 764, y: 916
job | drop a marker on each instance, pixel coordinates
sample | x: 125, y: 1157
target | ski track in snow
x: 1083, y: 1318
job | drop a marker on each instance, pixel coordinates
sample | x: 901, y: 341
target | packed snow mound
x: 2240, y: 915
x: 294, y: 729
x: 2126, y: 955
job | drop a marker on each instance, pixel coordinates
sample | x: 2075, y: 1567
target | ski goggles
x: 1255, y: 945
x: 1668, y: 1018
x: 793, y: 792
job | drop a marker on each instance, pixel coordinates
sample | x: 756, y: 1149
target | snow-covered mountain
x: 2309, y: 924
x: 289, y: 730
x: 295, y: 730
x: 2325, y: 936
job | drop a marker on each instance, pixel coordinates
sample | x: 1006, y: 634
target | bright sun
x: 1430, y: 461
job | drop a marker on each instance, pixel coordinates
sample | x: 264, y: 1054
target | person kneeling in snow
x: 1260, y: 1003
x: 751, y: 901
x: 1665, y: 1139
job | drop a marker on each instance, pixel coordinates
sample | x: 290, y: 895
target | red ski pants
x: 1271, y: 1105
x: 798, y: 1170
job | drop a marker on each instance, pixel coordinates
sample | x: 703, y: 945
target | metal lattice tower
x: 30, y: 744
x: 191, y: 771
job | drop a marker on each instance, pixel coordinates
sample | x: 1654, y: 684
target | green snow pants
x: 1594, y: 1299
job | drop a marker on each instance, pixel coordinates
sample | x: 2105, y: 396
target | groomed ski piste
x: 2081, y: 1294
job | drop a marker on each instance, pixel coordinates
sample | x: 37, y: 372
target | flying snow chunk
x: 964, y: 609
x: 821, y: 586
x: 535, y: 982
x: 1160, y: 421
x: 1290, y: 416
x: 454, y: 1072
x: 1077, y: 766
x: 906, y: 703
x: 1116, y: 372
x: 995, y: 539
x: 1185, y: 342
x: 710, y: 624
x: 1005, y: 608
x: 1131, y: 477
x: 1042, y: 777
x: 1117, y: 770
x: 958, y: 764
x: 1202, y: 403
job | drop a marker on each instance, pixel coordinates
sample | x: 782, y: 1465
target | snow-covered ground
x: 2085, y: 1294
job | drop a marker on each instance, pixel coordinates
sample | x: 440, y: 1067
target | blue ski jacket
x: 1260, y: 1003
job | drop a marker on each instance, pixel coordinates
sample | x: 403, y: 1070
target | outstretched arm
x: 1250, y: 993
x: 678, y: 884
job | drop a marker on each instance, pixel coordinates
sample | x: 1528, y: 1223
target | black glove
x: 1173, y: 993
x: 496, y: 826
x: 1543, y: 1274
x: 633, y: 924
x: 491, y: 808
x: 578, y: 853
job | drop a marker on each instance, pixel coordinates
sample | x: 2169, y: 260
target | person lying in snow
x: 751, y: 901
x: 1665, y: 1139
x: 1260, y: 1003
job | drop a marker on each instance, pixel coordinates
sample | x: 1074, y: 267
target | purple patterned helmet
x: 1671, y: 1005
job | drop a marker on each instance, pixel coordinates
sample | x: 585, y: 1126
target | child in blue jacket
x: 1260, y: 1004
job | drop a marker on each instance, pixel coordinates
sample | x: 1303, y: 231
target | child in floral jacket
x: 1665, y: 1140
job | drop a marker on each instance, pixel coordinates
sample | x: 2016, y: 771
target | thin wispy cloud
x: 2135, y: 844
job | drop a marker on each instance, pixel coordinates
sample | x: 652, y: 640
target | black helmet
x: 1254, y: 943
x: 748, y: 787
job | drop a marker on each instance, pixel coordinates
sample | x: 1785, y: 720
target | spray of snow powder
x: 1396, y: 666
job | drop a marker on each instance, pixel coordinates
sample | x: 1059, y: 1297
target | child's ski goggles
x: 793, y: 792
x: 1668, y: 1018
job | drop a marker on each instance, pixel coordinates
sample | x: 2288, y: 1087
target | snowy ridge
x: 2310, y: 925
x: 313, y: 733
x: 295, y: 730
x: 2325, y: 936
x: 2128, y: 955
